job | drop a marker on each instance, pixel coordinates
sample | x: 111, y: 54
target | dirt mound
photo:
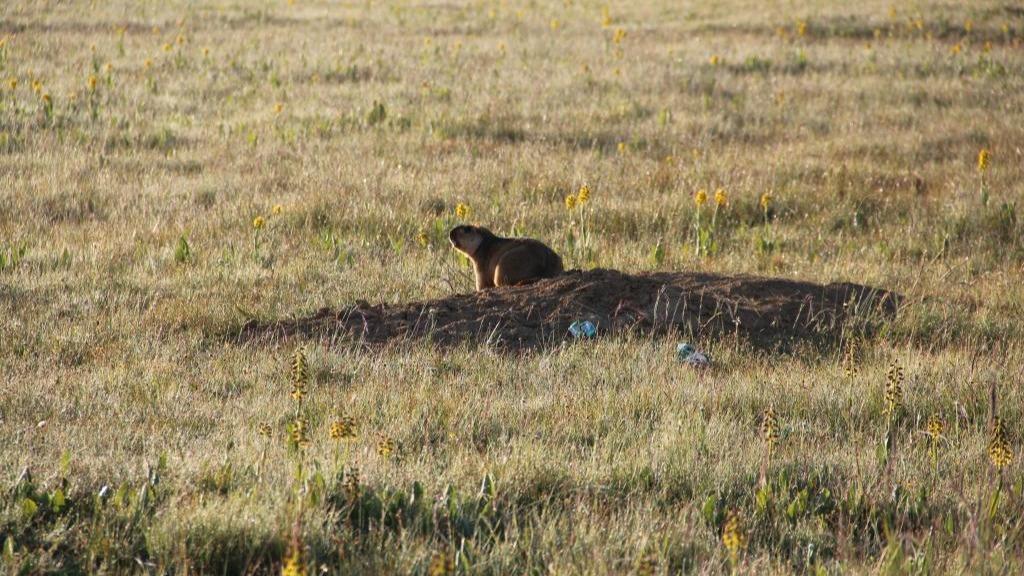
x: 764, y: 310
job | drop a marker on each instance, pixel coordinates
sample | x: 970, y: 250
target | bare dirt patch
x: 765, y: 310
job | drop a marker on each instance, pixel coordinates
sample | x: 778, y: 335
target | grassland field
x: 170, y: 170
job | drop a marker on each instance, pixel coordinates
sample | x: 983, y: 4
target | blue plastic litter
x: 583, y: 329
x: 687, y: 354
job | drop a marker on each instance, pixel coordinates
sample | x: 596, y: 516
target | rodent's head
x: 467, y: 239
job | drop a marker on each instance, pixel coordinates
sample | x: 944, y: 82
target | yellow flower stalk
x: 770, y: 429
x: 999, y: 451
x: 385, y: 447
x: 893, y: 388
x: 720, y: 198
x: 733, y: 537
x: 299, y: 373
x: 293, y: 564
x: 583, y: 195
x: 300, y: 433
x: 344, y: 428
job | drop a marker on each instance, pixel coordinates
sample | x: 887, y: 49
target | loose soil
x: 768, y: 312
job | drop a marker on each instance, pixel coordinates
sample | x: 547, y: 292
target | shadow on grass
x: 770, y: 313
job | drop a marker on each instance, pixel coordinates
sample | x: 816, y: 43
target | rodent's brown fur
x: 501, y: 261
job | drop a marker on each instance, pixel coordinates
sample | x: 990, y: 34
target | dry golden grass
x: 169, y: 170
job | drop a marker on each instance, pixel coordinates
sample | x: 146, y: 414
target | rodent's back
x: 549, y: 262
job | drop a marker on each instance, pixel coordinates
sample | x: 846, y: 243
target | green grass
x: 128, y: 256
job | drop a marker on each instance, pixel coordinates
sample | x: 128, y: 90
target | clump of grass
x: 766, y: 240
x: 182, y: 250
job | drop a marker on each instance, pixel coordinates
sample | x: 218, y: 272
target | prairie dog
x: 501, y: 261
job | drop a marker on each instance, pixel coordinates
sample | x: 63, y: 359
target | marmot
x: 501, y: 261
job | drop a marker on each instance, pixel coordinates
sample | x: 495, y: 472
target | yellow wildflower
x: 714, y: 60
x: 258, y: 223
x: 441, y: 564
x: 277, y: 209
x: 462, y: 210
x: 732, y: 535
x: 720, y: 198
x: 982, y: 160
x: 583, y: 195
x: 700, y: 198
x: 385, y: 446
x: 293, y: 564
x: 570, y: 202
x: 934, y: 428
x: 766, y: 200
x: 770, y: 429
x: 300, y: 433
x: 344, y: 428
x: 299, y: 373
x: 619, y: 36
x: 999, y: 450
x: 893, y: 388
